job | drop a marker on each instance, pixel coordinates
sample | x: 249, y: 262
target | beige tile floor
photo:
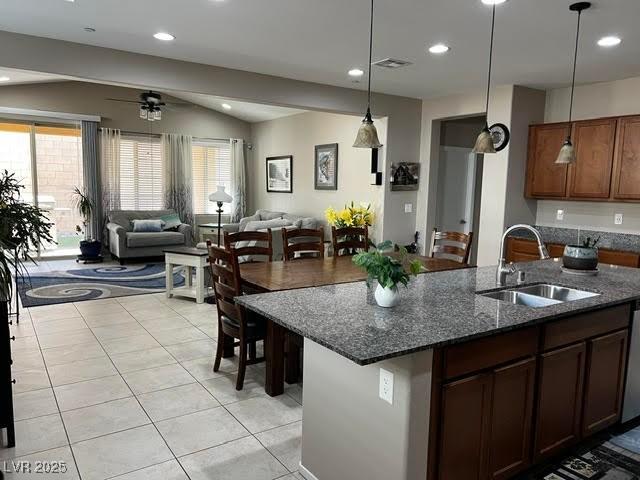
x: 124, y: 388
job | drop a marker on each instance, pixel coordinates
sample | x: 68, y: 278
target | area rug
x: 93, y: 283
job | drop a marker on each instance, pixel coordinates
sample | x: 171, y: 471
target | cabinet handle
x: 13, y: 381
x: 13, y: 338
x: 10, y: 322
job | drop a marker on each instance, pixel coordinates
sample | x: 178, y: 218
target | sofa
x: 276, y: 221
x: 125, y: 244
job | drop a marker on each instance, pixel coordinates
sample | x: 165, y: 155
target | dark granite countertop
x: 439, y: 308
x: 612, y: 240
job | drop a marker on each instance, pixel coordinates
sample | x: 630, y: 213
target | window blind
x: 141, y: 173
x: 211, y: 167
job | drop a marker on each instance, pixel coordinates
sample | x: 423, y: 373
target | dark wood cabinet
x: 559, y: 409
x: 590, y: 176
x: 544, y: 177
x: 511, y: 419
x: 626, y: 175
x: 465, y: 414
x: 606, y: 362
x: 6, y: 395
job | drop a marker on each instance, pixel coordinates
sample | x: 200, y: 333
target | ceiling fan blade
x: 122, y: 100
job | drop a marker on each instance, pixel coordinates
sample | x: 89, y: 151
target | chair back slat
x: 225, y: 273
x: 302, y: 240
x: 441, y: 245
x: 263, y: 246
x: 349, y: 239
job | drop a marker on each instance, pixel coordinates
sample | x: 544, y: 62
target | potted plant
x: 22, y: 229
x: 581, y: 257
x: 89, y: 247
x: 388, y: 270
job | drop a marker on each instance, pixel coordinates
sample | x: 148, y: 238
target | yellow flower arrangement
x: 350, y: 216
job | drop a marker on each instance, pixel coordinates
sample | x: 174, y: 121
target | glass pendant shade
x: 567, y: 153
x: 220, y: 196
x: 367, y: 134
x: 484, y: 142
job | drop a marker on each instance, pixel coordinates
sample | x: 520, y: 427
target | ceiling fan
x: 150, y: 105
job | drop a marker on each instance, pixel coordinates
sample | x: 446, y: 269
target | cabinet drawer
x: 583, y: 326
x: 483, y: 353
x: 616, y: 257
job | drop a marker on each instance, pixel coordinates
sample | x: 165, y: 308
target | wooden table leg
x: 274, y: 353
x: 168, y: 274
x: 292, y: 363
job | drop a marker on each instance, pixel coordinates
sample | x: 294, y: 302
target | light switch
x: 618, y: 219
x: 560, y: 215
x: 408, y: 207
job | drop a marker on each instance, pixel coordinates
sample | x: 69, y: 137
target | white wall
x: 118, y: 67
x: 596, y: 100
x: 297, y: 135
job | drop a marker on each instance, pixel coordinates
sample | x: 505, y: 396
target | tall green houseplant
x: 23, y: 228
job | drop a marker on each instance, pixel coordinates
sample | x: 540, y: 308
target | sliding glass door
x: 47, y: 159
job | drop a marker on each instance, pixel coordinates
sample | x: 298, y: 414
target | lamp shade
x: 220, y: 196
x: 367, y: 134
x: 567, y: 153
x: 484, y: 143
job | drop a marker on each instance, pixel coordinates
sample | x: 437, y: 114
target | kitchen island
x: 483, y: 388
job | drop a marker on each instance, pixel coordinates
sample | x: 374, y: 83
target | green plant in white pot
x: 389, y: 270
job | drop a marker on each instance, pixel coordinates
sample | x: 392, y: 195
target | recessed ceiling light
x: 610, y: 41
x: 4, y: 79
x: 356, y: 72
x: 439, y: 48
x: 166, y: 37
x: 89, y: 29
x: 226, y: 106
x: 493, y: 2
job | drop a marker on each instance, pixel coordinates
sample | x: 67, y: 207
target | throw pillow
x: 245, y: 220
x: 171, y: 221
x: 264, y: 224
x: 146, y: 226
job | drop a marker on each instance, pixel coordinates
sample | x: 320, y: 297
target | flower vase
x: 387, y: 297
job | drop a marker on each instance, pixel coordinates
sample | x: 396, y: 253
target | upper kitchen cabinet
x: 590, y: 176
x: 626, y: 183
x: 544, y: 177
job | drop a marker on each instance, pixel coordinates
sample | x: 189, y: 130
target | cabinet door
x: 521, y: 250
x: 511, y: 419
x: 464, y: 428
x: 590, y: 176
x: 559, y: 399
x: 544, y: 177
x: 616, y: 257
x: 604, y: 385
x: 626, y: 184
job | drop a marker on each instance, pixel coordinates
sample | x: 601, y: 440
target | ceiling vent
x: 391, y: 63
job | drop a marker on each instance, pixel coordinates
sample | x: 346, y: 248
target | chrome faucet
x: 503, y: 268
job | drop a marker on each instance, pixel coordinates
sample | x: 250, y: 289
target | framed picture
x: 280, y: 174
x: 326, y: 167
x: 405, y: 176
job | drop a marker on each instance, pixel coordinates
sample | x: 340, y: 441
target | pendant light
x: 567, y: 153
x: 367, y: 134
x: 484, y: 142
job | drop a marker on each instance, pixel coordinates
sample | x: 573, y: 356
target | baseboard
x: 306, y: 473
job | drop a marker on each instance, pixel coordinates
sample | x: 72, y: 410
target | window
x: 211, y: 167
x: 141, y: 173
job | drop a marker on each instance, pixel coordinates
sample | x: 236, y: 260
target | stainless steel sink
x: 557, y: 292
x: 541, y: 295
x: 519, y: 298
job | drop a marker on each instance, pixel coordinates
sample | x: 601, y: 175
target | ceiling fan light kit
x: 567, y: 153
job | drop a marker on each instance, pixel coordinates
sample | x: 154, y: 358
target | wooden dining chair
x: 349, y: 240
x: 452, y: 245
x: 236, y: 325
x: 250, y: 244
x: 302, y: 241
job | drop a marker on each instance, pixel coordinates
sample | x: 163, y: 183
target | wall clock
x: 500, y: 135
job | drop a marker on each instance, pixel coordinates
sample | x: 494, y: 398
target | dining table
x: 263, y: 277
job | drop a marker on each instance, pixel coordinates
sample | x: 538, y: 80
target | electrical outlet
x: 617, y: 219
x: 560, y: 215
x: 408, y: 207
x: 386, y: 386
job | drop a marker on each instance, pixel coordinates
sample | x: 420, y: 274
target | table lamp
x: 220, y: 197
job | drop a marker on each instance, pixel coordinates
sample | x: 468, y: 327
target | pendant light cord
x: 575, y: 62
x: 370, y: 59
x: 493, y: 25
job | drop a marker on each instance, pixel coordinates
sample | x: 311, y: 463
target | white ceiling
x: 21, y: 76
x: 320, y: 40
x: 249, y: 112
